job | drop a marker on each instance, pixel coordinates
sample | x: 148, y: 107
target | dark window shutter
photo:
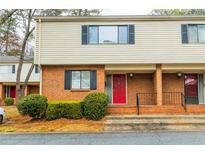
x: 67, y: 80
x: 84, y: 34
x: 13, y: 69
x: 184, y: 33
x: 131, y: 34
x: 93, y: 80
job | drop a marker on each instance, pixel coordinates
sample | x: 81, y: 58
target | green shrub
x: 33, y: 105
x: 95, y: 105
x: 9, y: 101
x: 64, y: 109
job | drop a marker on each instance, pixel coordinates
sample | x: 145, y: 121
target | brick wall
x: 53, y: 81
x: 140, y: 83
x: 1, y: 93
x: 171, y: 83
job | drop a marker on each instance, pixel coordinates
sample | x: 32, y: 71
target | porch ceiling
x: 185, y: 68
x: 134, y: 68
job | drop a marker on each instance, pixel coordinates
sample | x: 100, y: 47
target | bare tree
x: 6, y: 16
x: 29, y: 14
x: 178, y: 12
x: 26, y: 27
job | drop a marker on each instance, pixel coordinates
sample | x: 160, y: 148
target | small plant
x: 33, y: 105
x: 9, y: 101
x: 95, y: 105
x: 64, y: 109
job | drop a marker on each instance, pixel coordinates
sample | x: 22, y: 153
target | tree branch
x: 27, y: 77
x: 6, y: 17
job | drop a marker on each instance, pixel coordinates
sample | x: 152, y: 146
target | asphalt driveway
x: 177, y: 138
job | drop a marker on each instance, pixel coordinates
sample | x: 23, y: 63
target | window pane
x: 37, y: 69
x: 108, y: 34
x: 93, y: 34
x: 85, y: 79
x: 76, y: 79
x: 201, y: 32
x: 193, y: 33
x: 123, y: 34
x: 5, y: 69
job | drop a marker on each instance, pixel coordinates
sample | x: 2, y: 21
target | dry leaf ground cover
x: 17, y: 123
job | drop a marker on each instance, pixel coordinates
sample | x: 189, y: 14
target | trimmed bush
x: 9, y: 101
x: 64, y: 109
x: 33, y: 105
x: 95, y: 105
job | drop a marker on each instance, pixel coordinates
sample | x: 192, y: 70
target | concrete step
x: 150, y: 128
x: 110, y: 117
x: 157, y: 121
x: 130, y: 123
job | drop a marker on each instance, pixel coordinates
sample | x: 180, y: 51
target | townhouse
x: 146, y: 64
x: 8, y: 71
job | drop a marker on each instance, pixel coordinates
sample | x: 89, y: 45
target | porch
x: 9, y: 90
x: 155, y: 90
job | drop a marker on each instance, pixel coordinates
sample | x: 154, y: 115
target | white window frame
x: 81, y: 71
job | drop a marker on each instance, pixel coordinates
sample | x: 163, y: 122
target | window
x: 201, y: 33
x: 6, y: 69
x: 80, y: 80
x: 196, y: 33
x: 107, y: 34
x: 37, y: 69
x: 193, y: 33
x: 123, y: 34
x: 93, y: 34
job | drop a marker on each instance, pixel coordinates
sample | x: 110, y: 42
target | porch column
x: 1, y: 92
x: 158, y: 84
x: 26, y: 91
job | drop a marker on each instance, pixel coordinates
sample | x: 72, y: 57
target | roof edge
x: 117, y: 18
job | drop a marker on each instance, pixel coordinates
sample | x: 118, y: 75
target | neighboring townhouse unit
x: 8, y: 71
x: 150, y: 64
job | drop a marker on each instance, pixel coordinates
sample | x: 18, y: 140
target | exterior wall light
x: 131, y: 75
x: 179, y: 74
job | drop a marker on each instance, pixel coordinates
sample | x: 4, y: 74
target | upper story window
x: 108, y: 34
x: 193, y: 33
x: 7, y: 69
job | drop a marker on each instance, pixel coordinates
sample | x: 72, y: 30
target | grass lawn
x: 18, y: 123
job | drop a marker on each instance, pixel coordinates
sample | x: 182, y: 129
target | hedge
x: 33, y: 105
x: 63, y: 109
x: 94, y: 105
x: 9, y: 101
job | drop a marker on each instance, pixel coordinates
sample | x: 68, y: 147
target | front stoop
x: 144, y: 123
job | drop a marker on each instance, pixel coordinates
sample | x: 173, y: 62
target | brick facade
x: 139, y: 83
x: 53, y: 82
x: 175, y: 85
x: 157, y: 82
x: 1, y: 93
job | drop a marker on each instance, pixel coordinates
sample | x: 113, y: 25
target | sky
x: 142, y: 11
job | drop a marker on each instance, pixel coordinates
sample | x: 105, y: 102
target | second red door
x: 119, y: 89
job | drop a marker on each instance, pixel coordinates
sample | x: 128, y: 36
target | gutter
x: 118, y: 18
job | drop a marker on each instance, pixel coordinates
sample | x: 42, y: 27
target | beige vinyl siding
x: 155, y: 42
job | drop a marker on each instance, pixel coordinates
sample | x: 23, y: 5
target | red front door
x: 119, y: 89
x: 13, y: 91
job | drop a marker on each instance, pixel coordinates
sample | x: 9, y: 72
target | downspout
x: 39, y: 54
